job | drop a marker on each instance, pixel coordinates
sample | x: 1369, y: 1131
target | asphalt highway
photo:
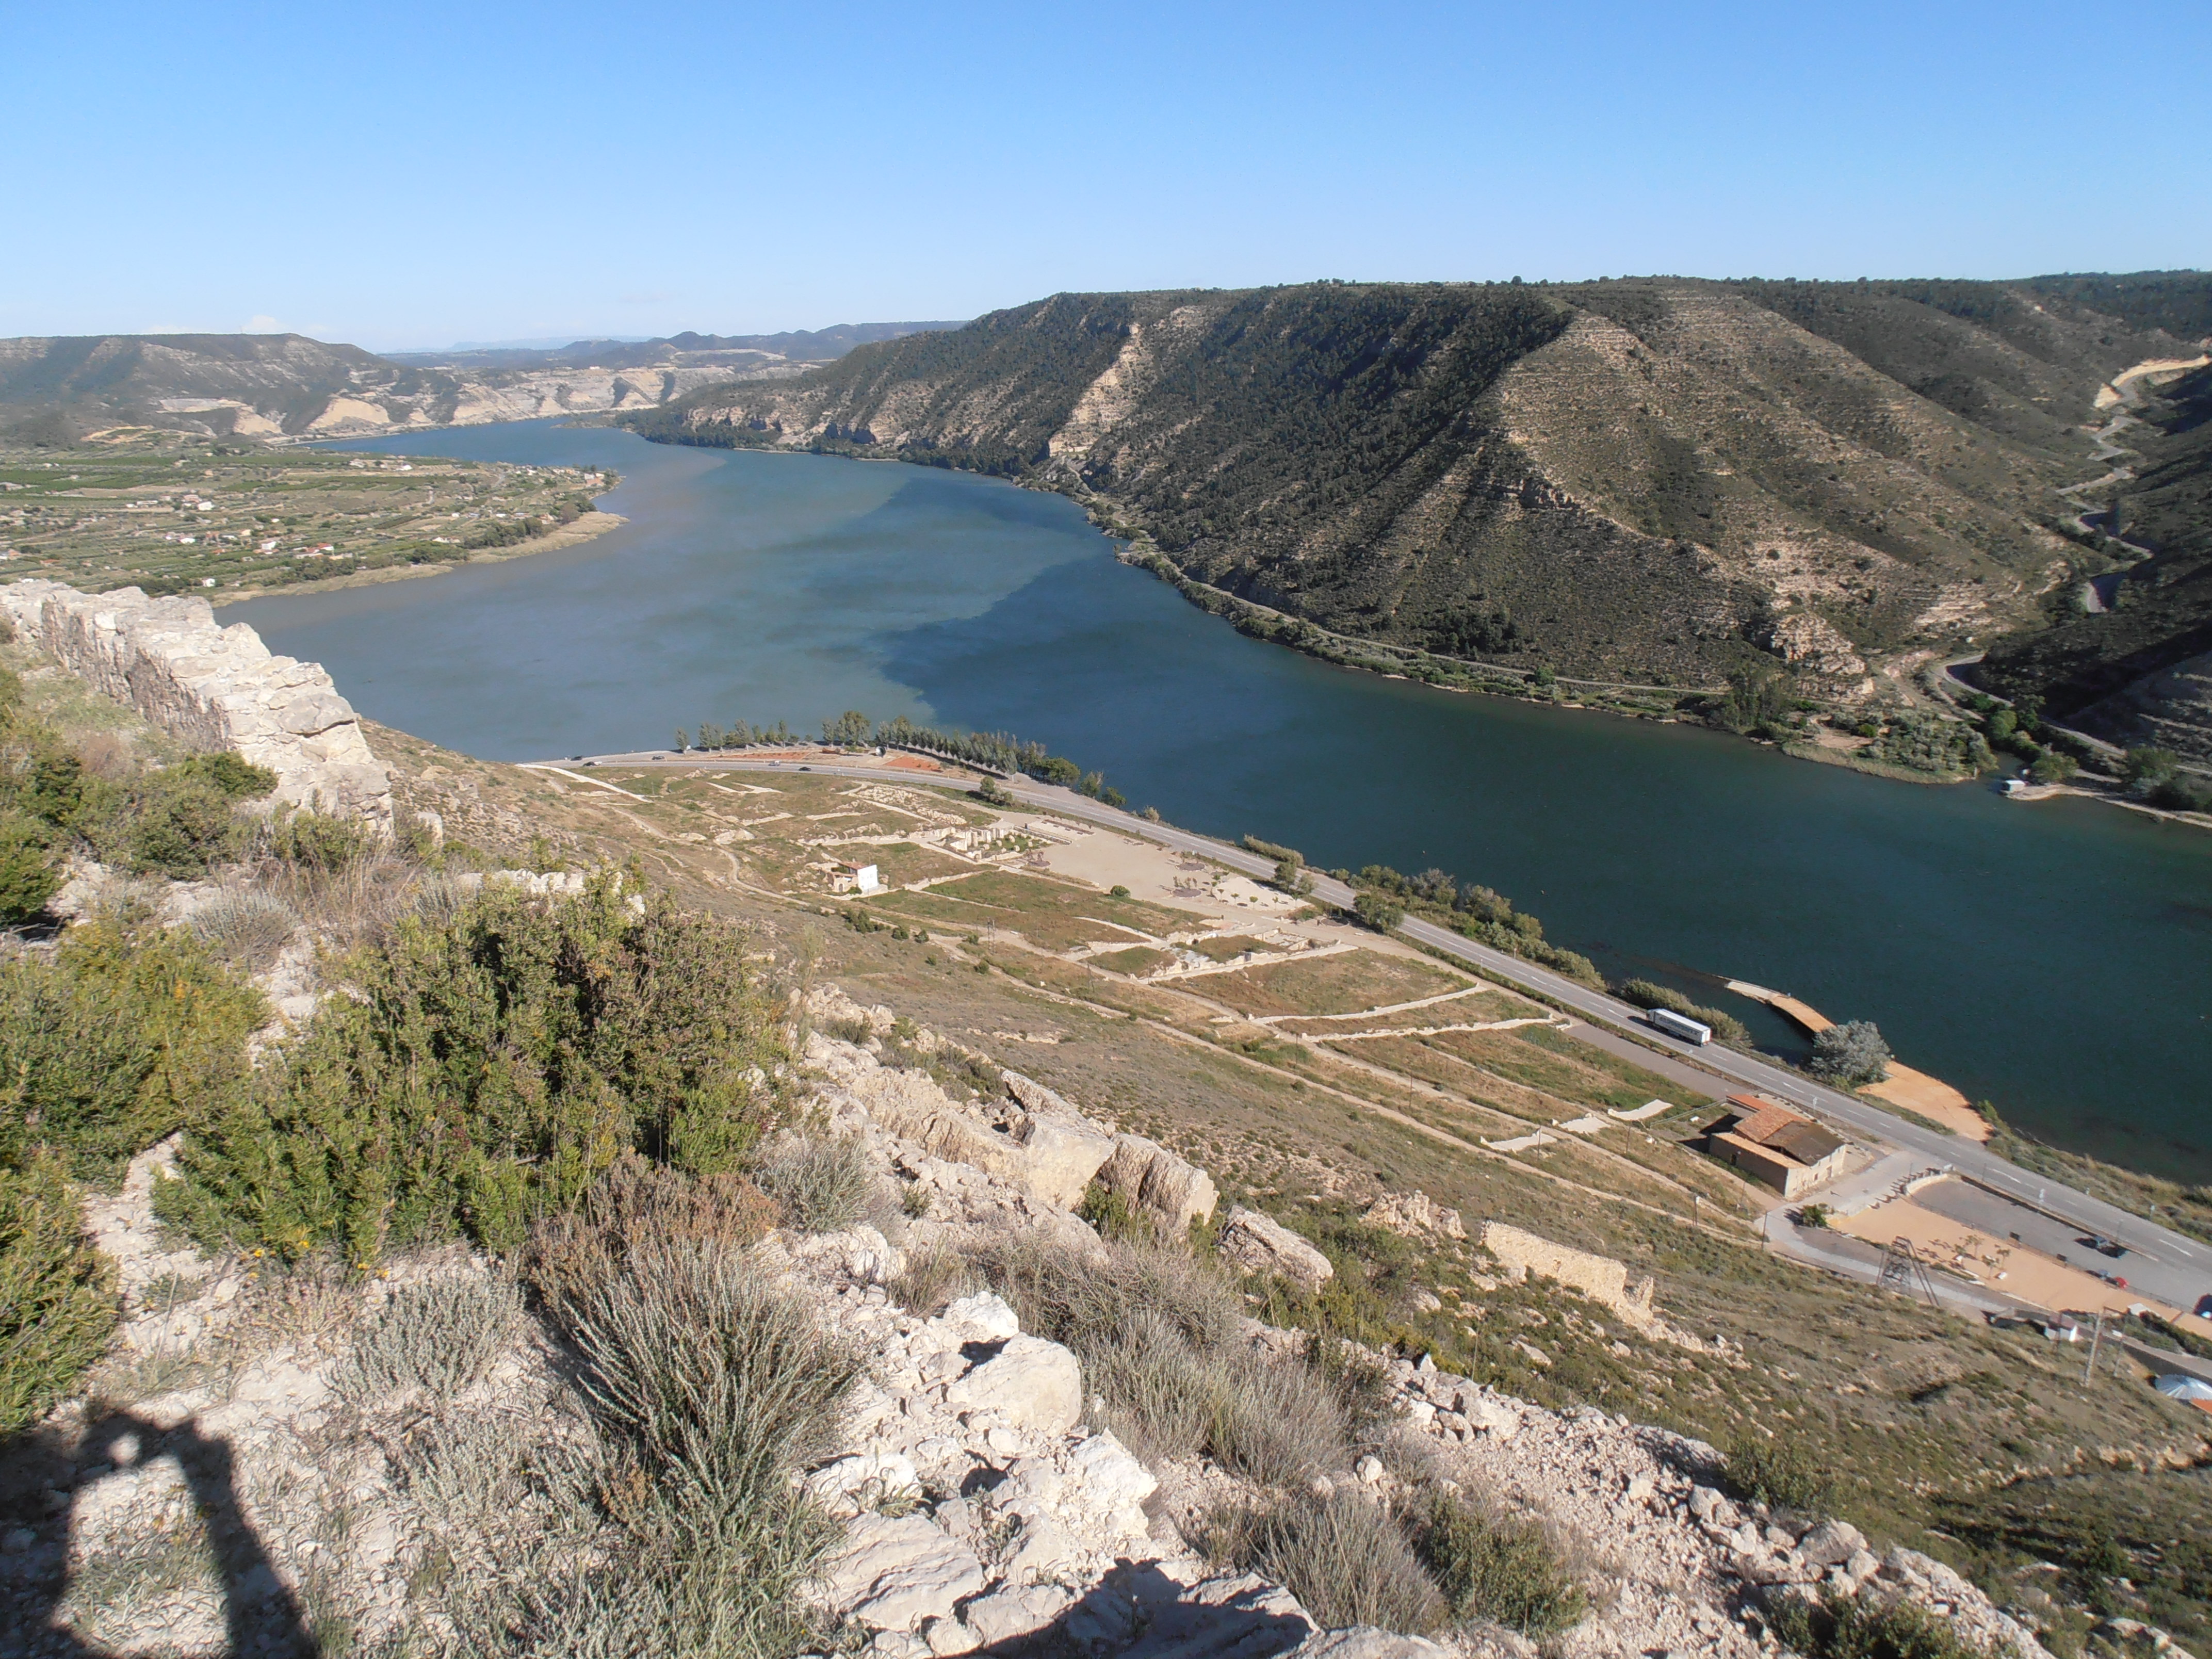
x: 2161, y: 1262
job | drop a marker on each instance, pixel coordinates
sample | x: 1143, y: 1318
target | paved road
x: 2155, y: 1251
x: 2000, y: 1218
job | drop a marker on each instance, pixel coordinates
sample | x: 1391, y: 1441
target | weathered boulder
x: 1260, y: 1244
x: 1832, y: 1543
x: 1150, y: 1177
x: 1364, y: 1642
x: 894, y: 1575
x: 1415, y: 1215
x: 1029, y: 1382
x: 984, y: 1317
x: 1006, y: 1613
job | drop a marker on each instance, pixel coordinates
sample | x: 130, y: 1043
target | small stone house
x: 1775, y: 1146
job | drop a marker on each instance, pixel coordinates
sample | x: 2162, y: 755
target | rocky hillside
x: 269, y: 385
x: 2127, y: 655
x: 1652, y: 480
x: 508, y: 1237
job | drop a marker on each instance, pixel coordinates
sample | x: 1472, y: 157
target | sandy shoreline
x: 584, y: 529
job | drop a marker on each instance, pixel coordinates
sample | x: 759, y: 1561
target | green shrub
x: 1775, y: 1473
x: 2052, y: 766
x: 1112, y: 1216
x: 1850, y: 1054
x: 57, y: 1292
x: 316, y: 842
x: 1500, y: 1568
x: 1842, y: 1628
x: 482, y: 1071
x: 1344, y: 1557
x: 30, y: 869
x: 176, y: 822
x: 1379, y: 911
x: 119, y: 1038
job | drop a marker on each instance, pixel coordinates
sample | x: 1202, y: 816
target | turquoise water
x: 2051, y: 958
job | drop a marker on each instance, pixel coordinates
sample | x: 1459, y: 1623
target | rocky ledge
x: 211, y: 687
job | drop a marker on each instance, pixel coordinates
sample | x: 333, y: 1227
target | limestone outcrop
x: 211, y: 687
x: 1150, y: 1177
x: 1260, y: 1244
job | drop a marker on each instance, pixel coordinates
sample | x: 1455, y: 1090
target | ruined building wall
x: 211, y: 687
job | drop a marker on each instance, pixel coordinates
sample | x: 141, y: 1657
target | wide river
x: 2056, y: 958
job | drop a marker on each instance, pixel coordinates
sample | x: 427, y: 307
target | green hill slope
x: 1643, y: 479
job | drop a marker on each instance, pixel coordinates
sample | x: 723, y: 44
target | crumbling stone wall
x: 211, y: 687
x: 1600, y: 1278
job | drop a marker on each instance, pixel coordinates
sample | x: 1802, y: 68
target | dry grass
x: 824, y: 1186
x: 933, y: 1278
x: 438, y: 1337
x: 1344, y: 1557
x: 246, y: 927
x: 1158, y: 1333
x: 1340, y: 984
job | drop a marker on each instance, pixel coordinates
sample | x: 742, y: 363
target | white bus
x: 1680, y: 1026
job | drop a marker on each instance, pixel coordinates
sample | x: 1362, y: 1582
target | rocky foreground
x: 246, y: 1479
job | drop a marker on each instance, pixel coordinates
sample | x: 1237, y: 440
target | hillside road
x: 2161, y: 1262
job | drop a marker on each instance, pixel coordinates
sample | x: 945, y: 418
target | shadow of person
x: 260, y: 1615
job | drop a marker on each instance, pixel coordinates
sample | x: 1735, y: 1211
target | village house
x: 1774, y: 1146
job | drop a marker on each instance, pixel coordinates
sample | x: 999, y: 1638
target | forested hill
x: 1644, y: 479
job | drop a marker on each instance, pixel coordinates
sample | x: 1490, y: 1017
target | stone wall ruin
x: 212, y: 689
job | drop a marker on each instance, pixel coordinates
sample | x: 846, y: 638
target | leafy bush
x: 1775, y: 1473
x: 176, y: 822
x: 824, y: 1186
x: 482, y: 1072
x: 1499, y: 1568
x: 1842, y: 1628
x: 2052, y: 766
x: 57, y: 1292
x: 439, y: 1336
x: 30, y: 870
x: 316, y: 842
x: 1344, y: 1557
x: 2183, y: 793
x: 119, y: 1038
x: 1647, y: 993
x: 1379, y: 911
x: 1476, y: 913
x: 1850, y: 1054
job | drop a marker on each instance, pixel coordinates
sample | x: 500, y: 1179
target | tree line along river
x: 2054, y: 958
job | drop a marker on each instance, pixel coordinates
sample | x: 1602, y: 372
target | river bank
x: 573, y: 534
x: 757, y: 587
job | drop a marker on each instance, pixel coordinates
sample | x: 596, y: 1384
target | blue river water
x: 2056, y: 958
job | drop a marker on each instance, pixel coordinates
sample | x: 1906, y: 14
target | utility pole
x: 2096, y: 1341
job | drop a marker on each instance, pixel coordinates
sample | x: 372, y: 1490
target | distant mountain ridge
x: 797, y: 345
x: 1643, y: 479
x: 58, y: 389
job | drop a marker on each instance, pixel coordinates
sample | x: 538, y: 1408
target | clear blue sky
x: 402, y: 174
